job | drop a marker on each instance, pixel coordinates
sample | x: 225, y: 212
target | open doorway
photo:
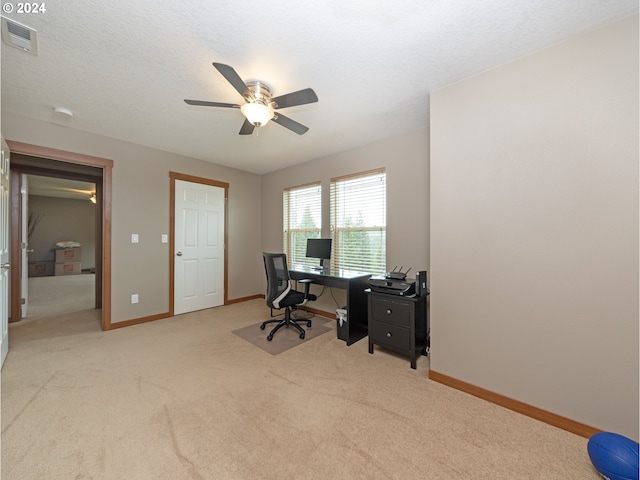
x: 59, y: 216
x: 27, y: 160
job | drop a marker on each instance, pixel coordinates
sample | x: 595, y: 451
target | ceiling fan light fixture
x: 257, y: 113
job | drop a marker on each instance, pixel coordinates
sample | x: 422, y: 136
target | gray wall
x: 406, y: 159
x: 62, y: 219
x: 534, y: 229
x: 141, y: 203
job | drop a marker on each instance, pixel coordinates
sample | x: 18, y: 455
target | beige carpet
x: 285, y: 338
x: 185, y: 398
x: 51, y: 296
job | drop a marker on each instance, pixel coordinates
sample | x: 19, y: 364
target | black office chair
x: 281, y: 295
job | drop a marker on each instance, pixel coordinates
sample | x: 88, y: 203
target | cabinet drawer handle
x: 389, y: 312
x: 388, y: 334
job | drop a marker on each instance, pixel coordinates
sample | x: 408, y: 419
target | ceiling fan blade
x: 247, y: 128
x: 292, y: 125
x: 233, y: 78
x: 301, y: 97
x: 202, y: 103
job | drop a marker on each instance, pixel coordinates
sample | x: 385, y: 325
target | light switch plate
x: 135, y: 238
x: 165, y: 238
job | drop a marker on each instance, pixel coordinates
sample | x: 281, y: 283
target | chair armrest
x: 307, y: 283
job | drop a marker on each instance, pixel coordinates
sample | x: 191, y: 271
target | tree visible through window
x: 302, y: 219
x: 358, y: 222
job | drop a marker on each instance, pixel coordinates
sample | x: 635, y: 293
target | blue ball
x: 614, y: 456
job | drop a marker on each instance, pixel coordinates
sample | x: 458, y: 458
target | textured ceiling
x: 125, y: 67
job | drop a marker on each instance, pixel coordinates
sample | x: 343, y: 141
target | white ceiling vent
x: 19, y: 36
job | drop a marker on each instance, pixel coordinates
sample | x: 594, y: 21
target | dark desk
x: 354, y: 283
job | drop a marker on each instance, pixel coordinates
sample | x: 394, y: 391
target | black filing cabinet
x: 399, y: 324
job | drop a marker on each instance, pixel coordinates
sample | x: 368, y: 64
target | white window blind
x: 302, y: 219
x: 359, y: 222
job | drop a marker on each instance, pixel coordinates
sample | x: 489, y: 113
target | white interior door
x: 24, y: 243
x: 199, y: 246
x: 4, y: 252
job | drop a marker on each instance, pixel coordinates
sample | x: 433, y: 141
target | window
x: 359, y: 222
x: 302, y: 219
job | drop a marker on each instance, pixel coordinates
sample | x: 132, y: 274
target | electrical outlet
x: 134, y: 298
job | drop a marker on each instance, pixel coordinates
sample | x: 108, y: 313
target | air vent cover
x: 19, y: 36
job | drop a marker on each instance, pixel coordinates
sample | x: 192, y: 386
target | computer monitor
x: 319, y: 248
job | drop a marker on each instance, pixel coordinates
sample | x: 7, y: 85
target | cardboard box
x: 73, y: 254
x: 68, y: 268
x: 41, y: 269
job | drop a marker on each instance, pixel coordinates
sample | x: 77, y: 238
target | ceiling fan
x: 260, y: 105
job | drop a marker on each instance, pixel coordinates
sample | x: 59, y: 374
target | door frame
x: 172, y: 231
x: 5, y: 253
x: 103, y: 221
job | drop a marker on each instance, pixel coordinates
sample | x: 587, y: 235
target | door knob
x: 6, y: 265
x: 179, y: 254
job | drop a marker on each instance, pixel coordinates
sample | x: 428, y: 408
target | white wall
x: 534, y: 229
x: 406, y: 159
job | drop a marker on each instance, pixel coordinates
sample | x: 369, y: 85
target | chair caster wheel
x: 309, y: 324
x: 269, y: 337
x: 262, y: 326
x: 302, y: 336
